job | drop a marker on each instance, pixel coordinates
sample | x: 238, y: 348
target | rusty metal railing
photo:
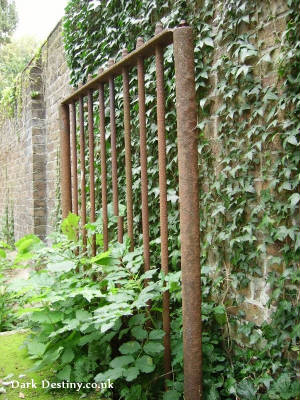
x: 182, y: 39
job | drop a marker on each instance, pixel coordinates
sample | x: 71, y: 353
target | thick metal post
x: 143, y: 157
x: 82, y: 172
x: 189, y: 210
x: 103, y: 166
x: 159, y: 60
x: 74, y: 159
x: 91, y: 164
x: 127, y: 138
x: 65, y: 161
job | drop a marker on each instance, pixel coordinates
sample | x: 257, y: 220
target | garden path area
x: 15, y: 366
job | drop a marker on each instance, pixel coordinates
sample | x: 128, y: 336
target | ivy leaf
x: 172, y: 196
x: 213, y: 394
x: 246, y: 19
x: 202, y: 102
x: 285, y: 388
x: 292, y: 140
x: 208, y: 41
x: 246, y: 390
x: 294, y: 199
x: 219, y: 209
x: 220, y: 314
x: 247, y: 53
x: 130, y: 347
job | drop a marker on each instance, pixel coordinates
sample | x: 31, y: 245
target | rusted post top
x: 158, y: 28
x: 139, y: 42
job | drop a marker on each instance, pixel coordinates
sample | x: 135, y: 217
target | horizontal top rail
x: 164, y: 39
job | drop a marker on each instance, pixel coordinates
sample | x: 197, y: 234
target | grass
x: 13, y: 360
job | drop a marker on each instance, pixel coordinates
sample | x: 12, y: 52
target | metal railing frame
x: 182, y: 40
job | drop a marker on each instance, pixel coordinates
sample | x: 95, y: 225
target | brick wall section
x: 29, y: 143
x: 56, y: 88
x: 16, y: 186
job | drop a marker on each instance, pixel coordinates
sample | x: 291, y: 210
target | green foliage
x: 90, y: 318
x: 9, y: 300
x: 14, y: 57
x: 70, y: 226
x: 8, y: 20
x: 7, y: 231
x: 7, y: 316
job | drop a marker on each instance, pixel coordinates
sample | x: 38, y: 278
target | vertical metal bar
x: 91, y: 164
x: 159, y: 60
x: 114, y: 165
x: 74, y: 159
x: 82, y: 168
x: 189, y: 210
x: 120, y: 229
x: 103, y: 166
x: 65, y: 161
x: 143, y: 157
x: 128, y: 167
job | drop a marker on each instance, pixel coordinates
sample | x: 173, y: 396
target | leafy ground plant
x: 90, y: 318
x: 95, y: 319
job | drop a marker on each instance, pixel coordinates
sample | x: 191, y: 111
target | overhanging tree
x: 8, y: 20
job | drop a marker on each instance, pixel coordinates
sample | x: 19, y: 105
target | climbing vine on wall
x: 248, y: 102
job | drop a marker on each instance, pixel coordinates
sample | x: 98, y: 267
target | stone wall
x: 29, y: 143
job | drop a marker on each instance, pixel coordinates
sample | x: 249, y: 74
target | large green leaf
x: 156, y: 334
x: 139, y: 333
x: 65, y: 373
x: 120, y: 362
x: 47, y: 316
x: 153, y: 347
x: 62, y: 266
x: 131, y: 373
x: 68, y: 355
x: 70, y: 226
x: 130, y: 347
x: 145, y: 364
